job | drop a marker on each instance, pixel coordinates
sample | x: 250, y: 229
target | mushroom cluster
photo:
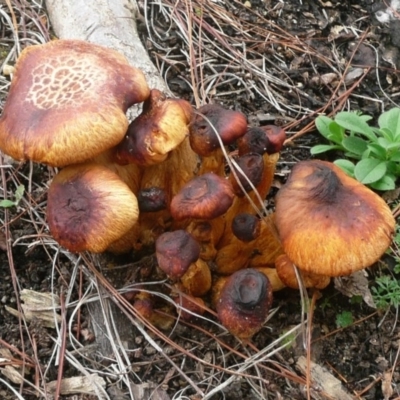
x: 164, y: 184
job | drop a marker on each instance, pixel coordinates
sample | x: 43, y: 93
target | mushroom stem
x: 237, y: 255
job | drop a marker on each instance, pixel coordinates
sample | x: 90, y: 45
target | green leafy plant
x: 376, y: 151
x: 386, y: 293
x: 344, y: 319
x: 19, y: 192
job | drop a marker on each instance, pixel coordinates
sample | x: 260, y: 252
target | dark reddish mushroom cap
x: 329, y: 223
x: 204, y: 197
x: 249, y: 171
x: 246, y: 227
x: 229, y: 124
x: 264, y: 139
x: 152, y: 199
x: 244, y: 302
x: 175, y: 251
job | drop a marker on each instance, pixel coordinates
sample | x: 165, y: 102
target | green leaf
x: 391, y: 121
x: 395, y: 156
x: 346, y: 165
x: 387, y: 182
x: 352, y: 122
x: 377, y: 150
x: 322, y: 148
x: 355, y: 145
x: 369, y: 170
x: 336, y: 133
x: 344, y: 319
x: 7, y: 203
x: 322, y: 123
x: 386, y: 133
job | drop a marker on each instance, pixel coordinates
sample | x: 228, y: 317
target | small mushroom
x: 244, y: 302
x: 67, y: 102
x: 209, y: 121
x: 89, y: 208
x: 204, y: 197
x: 160, y: 128
x: 329, y: 223
x: 248, y: 171
x: 175, y: 251
x: 264, y: 139
x: 246, y: 227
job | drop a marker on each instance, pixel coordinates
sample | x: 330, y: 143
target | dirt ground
x: 278, y: 62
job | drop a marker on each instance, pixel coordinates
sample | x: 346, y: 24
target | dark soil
x: 361, y: 355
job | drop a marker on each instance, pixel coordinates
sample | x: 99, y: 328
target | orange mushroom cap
x: 89, y: 207
x: 161, y: 127
x: 204, y: 197
x: 67, y: 102
x: 329, y: 223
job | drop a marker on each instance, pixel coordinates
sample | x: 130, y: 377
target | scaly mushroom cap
x: 175, y: 251
x: 67, y: 102
x: 160, y: 128
x: 205, y: 197
x: 244, y: 302
x: 329, y: 223
x: 89, y: 207
x: 229, y: 124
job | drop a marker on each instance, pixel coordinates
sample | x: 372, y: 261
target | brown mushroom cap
x: 246, y: 227
x: 250, y: 168
x: 89, y: 207
x: 161, y: 127
x: 204, y: 197
x: 229, y: 124
x: 329, y: 223
x: 244, y: 302
x: 264, y: 139
x: 175, y: 251
x: 67, y: 102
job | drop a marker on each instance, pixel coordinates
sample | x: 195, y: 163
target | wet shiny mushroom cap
x: 329, y: 223
x: 204, y: 197
x: 67, y: 102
